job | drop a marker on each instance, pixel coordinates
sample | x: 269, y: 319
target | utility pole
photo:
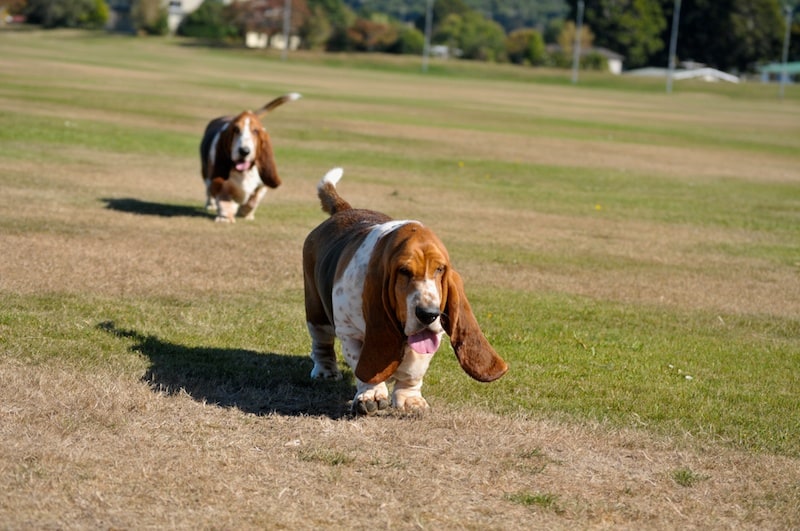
x: 426, y: 48
x: 785, y: 57
x: 673, y: 44
x: 576, y: 48
x: 287, y: 30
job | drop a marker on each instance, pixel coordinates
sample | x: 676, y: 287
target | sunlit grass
x: 682, y: 372
x: 711, y: 374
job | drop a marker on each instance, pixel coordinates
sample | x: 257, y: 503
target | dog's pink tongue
x: 425, y: 342
x: 242, y: 166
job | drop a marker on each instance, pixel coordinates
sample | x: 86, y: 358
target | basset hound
x: 387, y: 290
x: 237, y: 163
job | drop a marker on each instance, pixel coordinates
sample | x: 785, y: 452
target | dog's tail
x: 331, y: 201
x: 277, y: 102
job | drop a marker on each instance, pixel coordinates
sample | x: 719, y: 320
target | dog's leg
x: 226, y: 210
x: 322, y: 353
x: 211, y: 205
x: 407, y: 393
x: 369, y: 398
x: 248, y: 209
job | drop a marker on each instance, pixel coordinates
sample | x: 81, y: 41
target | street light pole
x: 287, y: 19
x: 576, y: 48
x: 785, y: 57
x: 426, y: 48
x: 673, y: 44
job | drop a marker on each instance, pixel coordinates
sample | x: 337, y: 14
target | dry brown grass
x: 108, y: 452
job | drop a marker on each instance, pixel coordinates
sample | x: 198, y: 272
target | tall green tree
x: 633, y: 28
x: 525, y: 46
x: 727, y: 34
x: 374, y: 34
x: 332, y: 33
x: 516, y: 14
x: 511, y: 14
x: 476, y: 36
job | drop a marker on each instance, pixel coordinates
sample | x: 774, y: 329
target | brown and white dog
x: 387, y: 290
x: 237, y: 162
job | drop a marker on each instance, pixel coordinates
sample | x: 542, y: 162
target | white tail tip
x: 333, y: 176
x: 294, y: 96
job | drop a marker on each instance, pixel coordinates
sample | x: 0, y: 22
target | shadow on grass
x: 148, y: 208
x: 253, y: 382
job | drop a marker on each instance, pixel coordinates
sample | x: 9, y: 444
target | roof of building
x: 777, y: 68
x: 706, y: 73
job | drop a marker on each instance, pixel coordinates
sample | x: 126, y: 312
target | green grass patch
x: 721, y: 202
x: 543, y: 500
x: 685, y: 477
x: 325, y: 456
x: 674, y: 372
x: 18, y: 130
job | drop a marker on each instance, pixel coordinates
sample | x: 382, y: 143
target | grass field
x: 634, y: 256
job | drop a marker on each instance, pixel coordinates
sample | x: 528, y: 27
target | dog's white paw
x: 409, y: 401
x: 323, y: 371
x: 372, y: 400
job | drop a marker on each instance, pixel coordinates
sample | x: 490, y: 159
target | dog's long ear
x: 384, y: 341
x: 222, y: 158
x: 265, y: 160
x: 474, y: 353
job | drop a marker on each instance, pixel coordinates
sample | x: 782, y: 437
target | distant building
x: 120, y: 13
x: 256, y: 39
x: 613, y: 59
x: 263, y: 28
x: 774, y: 71
x: 687, y: 70
x: 178, y: 9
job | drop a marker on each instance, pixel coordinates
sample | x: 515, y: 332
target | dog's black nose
x: 244, y: 151
x: 426, y: 315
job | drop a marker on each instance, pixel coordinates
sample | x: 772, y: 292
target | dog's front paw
x: 410, y: 402
x: 224, y: 219
x: 323, y: 371
x: 371, y: 401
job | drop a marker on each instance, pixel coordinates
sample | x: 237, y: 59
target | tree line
x: 733, y: 35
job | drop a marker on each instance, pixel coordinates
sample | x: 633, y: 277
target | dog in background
x: 237, y: 162
x: 387, y: 290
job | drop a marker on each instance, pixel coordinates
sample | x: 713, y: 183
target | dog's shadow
x: 149, y: 208
x: 253, y: 382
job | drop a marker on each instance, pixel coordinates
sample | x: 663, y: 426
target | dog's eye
x: 236, y: 130
x: 439, y: 270
x: 406, y: 272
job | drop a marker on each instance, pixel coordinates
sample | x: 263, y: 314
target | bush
x: 525, y: 46
x: 371, y: 35
x: 150, y: 16
x: 594, y: 61
x: 209, y: 21
x: 409, y: 41
x: 91, y: 14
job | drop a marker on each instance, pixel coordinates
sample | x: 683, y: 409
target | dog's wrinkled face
x: 245, y: 131
x: 418, y: 288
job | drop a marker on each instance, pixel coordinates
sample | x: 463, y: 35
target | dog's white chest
x: 248, y: 180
